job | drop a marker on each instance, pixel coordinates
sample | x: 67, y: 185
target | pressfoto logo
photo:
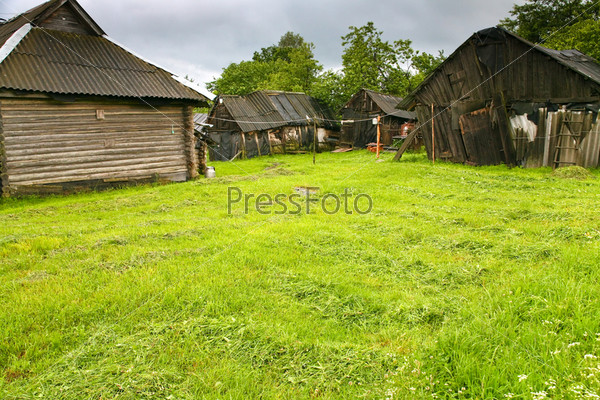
x: 302, y: 201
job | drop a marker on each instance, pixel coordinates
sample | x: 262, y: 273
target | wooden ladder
x: 564, y: 143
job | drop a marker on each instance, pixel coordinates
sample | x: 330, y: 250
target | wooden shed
x: 268, y: 122
x: 358, y: 129
x: 501, y: 99
x: 77, y: 110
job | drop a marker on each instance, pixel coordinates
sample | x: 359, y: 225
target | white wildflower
x: 590, y: 357
x: 539, y: 395
x: 573, y: 344
x: 551, y: 384
x: 522, y: 377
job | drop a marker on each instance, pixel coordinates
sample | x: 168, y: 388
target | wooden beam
x: 407, y: 142
x: 190, y: 142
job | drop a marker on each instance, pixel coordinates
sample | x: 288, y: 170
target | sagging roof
x: 386, y: 102
x: 571, y: 59
x: 38, y: 59
x: 265, y: 110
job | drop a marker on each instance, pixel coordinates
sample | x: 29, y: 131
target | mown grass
x: 468, y: 283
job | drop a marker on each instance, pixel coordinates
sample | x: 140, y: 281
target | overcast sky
x: 199, y: 38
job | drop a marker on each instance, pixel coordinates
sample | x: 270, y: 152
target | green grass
x: 467, y: 283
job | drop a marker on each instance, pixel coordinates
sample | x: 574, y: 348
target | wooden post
x: 270, y: 145
x: 432, y: 133
x: 257, y: 143
x: 190, y: 141
x: 283, y: 140
x: 409, y: 139
x: 315, y: 139
x: 243, y: 146
x: 378, y: 134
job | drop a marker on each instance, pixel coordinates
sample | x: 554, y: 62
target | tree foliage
x: 368, y: 62
x: 583, y: 36
x: 558, y: 24
x: 372, y: 63
x: 290, y: 65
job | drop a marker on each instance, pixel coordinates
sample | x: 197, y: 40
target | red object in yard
x: 372, y: 147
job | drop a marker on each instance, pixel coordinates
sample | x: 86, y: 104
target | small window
x: 99, y: 114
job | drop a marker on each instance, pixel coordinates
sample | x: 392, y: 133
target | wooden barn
x: 77, y: 110
x: 358, y: 129
x: 501, y: 99
x: 268, y: 122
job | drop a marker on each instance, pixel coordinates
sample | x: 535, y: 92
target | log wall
x: 49, y: 145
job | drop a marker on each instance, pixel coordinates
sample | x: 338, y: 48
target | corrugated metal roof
x: 200, y: 118
x: 386, y: 102
x: 265, y: 110
x: 66, y: 63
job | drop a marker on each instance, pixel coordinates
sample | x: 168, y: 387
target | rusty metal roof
x: 56, y: 62
x: 265, y: 110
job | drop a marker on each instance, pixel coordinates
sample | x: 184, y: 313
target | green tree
x: 290, y: 66
x: 583, y: 36
x: 241, y: 78
x: 367, y: 59
x: 327, y: 87
x: 558, y: 24
x: 296, y: 72
x: 370, y: 62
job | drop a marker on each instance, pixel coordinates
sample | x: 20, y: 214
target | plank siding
x: 527, y: 75
x: 190, y: 142
x: 64, y: 19
x: 50, y: 143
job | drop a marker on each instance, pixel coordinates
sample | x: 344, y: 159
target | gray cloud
x: 199, y: 38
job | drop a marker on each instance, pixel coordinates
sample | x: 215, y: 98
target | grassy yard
x: 462, y: 282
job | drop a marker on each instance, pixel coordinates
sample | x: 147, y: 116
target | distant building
x: 501, y: 99
x: 267, y: 122
x: 79, y: 111
x: 360, y: 111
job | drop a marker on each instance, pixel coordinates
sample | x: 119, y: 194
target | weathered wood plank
x: 30, y: 156
x: 121, y: 176
x: 93, y: 173
x: 66, y: 160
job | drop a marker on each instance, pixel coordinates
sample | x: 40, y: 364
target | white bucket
x: 210, y: 172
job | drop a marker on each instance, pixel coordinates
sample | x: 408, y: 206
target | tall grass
x: 462, y: 282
